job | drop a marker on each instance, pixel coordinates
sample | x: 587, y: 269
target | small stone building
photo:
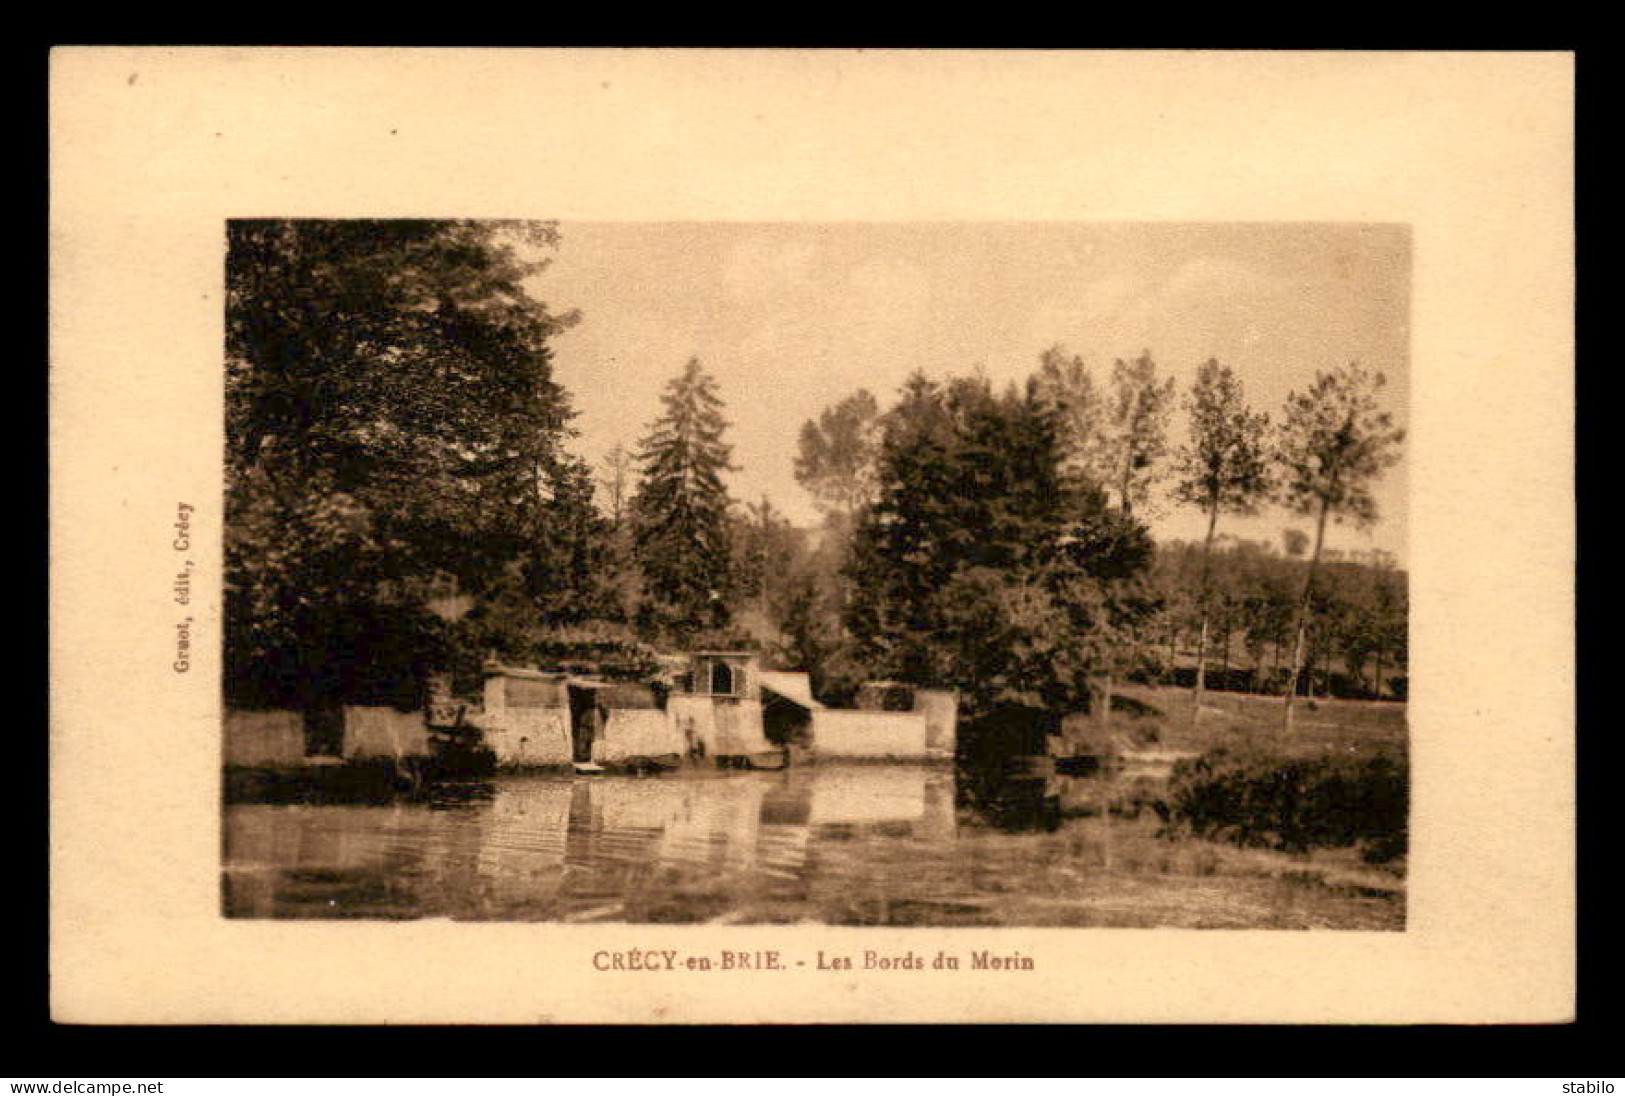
x: 718, y: 712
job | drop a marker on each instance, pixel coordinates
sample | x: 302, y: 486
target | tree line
x: 402, y: 499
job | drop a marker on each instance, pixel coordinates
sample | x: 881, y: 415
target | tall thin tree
x: 1136, y: 429
x: 1134, y: 443
x: 1223, y: 469
x: 618, y: 467
x: 1065, y: 384
x: 1334, y: 443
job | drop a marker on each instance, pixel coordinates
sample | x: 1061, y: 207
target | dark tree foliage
x: 980, y: 565
x: 679, y: 512
x: 392, y: 435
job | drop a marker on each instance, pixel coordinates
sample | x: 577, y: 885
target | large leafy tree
x: 393, y: 431
x: 979, y: 565
x: 679, y: 511
x: 1223, y: 469
x: 1335, y: 441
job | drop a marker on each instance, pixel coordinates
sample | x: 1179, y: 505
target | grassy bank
x: 1340, y: 780
x: 1162, y: 716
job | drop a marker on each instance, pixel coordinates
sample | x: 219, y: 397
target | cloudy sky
x: 792, y: 317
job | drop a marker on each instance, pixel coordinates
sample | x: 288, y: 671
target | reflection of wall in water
x: 719, y: 823
x: 862, y: 795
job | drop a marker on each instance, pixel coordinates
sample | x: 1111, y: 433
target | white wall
x: 691, y: 716
x: 739, y: 727
x: 637, y: 732
x: 844, y: 733
x: 726, y: 726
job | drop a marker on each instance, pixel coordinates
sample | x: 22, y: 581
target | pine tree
x: 680, y: 511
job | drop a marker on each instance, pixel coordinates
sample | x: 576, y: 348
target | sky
x: 790, y: 318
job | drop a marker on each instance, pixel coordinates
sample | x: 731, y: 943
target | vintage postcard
x: 802, y: 536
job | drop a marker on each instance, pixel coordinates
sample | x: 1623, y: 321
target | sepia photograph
x: 873, y: 575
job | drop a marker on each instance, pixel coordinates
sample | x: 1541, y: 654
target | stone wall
x: 724, y: 726
x: 525, y: 737
x: 691, y: 720
x: 739, y: 727
x: 274, y: 737
x: 371, y: 731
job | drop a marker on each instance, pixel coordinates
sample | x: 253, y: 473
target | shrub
x: 1263, y: 798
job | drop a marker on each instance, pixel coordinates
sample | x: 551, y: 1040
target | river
x: 826, y: 844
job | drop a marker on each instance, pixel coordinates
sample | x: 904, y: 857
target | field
x: 1161, y: 717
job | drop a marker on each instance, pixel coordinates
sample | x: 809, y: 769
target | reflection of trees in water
x: 1016, y: 802
x: 332, y: 861
x: 1002, y: 775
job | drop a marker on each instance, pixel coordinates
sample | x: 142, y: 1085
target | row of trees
x: 401, y: 495
x: 996, y: 545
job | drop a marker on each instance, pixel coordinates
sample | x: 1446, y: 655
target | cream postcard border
x: 153, y: 149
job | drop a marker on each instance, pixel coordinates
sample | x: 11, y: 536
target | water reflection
x: 873, y: 844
